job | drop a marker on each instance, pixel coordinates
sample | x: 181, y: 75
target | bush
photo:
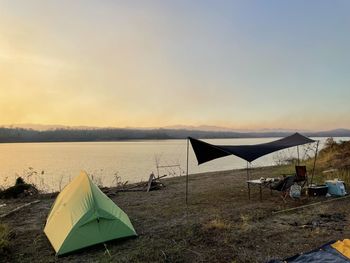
x: 20, y: 189
x: 19, y: 181
x: 335, y: 155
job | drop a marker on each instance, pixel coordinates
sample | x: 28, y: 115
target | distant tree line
x: 84, y: 135
x: 81, y: 135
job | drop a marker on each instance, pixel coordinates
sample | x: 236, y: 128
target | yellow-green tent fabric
x: 343, y: 247
x: 83, y: 215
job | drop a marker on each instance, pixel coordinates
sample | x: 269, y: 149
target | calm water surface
x: 56, y: 164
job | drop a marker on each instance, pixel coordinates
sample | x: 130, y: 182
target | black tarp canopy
x: 206, y: 152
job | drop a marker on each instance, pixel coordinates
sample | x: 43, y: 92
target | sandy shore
x: 219, y: 224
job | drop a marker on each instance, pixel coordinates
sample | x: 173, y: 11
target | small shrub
x: 20, y: 189
x: 19, y: 181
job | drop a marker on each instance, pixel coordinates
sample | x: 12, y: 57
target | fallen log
x: 153, y: 183
x: 312, y: 204
x: 19, y: 208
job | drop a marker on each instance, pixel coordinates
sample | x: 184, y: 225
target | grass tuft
x: 216, y: 224
x: 4, y: 239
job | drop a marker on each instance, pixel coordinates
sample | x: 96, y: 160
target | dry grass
x: 4, y: 239
x: 216, y: 224
x: 334, y: 157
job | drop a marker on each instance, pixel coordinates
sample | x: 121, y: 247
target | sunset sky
x: 237, y: 64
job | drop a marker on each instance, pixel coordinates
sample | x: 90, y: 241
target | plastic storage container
x: 336, y: 187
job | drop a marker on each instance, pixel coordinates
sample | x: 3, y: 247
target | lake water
x: 52, y: 165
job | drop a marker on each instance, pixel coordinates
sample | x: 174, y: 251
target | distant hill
x: 332, y: 133
x: 114, y: 134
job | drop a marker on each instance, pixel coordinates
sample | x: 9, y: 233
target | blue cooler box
x: 336, y: 188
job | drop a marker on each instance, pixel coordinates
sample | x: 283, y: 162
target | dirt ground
x: 219, y: 224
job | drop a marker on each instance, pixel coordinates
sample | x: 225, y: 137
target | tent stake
x: 313, y: 169
x: 188, y: 142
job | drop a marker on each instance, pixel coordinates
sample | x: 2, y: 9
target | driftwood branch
x: 19, y: 208
x: 150, y: 180
x: 312, y: 204
x: 153, y: 183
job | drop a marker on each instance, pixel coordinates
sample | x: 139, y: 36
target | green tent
x: 83, y: 215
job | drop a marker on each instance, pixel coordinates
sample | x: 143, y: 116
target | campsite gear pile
x: 295, y: 191
x: 82, y: 215
x: 335, y: 252
x: 330, y: 188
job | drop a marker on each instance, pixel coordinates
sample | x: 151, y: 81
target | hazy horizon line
x: 36, y: 126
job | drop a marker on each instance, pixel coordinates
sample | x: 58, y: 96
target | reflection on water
x: 55, y: 164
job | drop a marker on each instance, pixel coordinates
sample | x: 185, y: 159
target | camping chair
x: 300, y: 175
x: 284, y: 185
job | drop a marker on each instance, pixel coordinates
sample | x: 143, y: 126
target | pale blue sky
x: 239, y: 64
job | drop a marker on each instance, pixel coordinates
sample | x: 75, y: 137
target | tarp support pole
x: 247, y: 171
x: 298, y: 155
x: 248, y: 185
x: 188, y: 145
x: 313, y: 169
